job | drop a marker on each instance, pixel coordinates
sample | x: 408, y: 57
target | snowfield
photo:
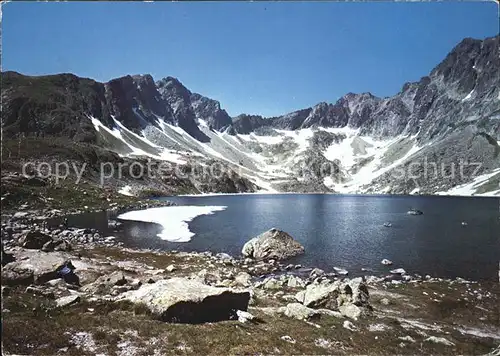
x: 273, y: 159
x: 471, y: 188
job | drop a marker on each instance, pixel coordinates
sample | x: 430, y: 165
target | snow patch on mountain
x: 272, y: 160
x: 468, y: 95
x: 472, y: 187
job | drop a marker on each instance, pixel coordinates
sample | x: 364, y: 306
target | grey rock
x: 295, y: 282
x: 407, y: 338
x: 316, y: 272
x: 37, y: 268
x: 341, y: 271
x: 299, y: 311
x: 335, y: 295
x: 385, y: 301
x: 439, y: 340
x: 5, y: 291
x: 243, y: 279
x: 244, y: 316
x: 272, y: 244
x: 170, y: 268
x: 351, y: 311
x: 68, y: 300
x: 20, y: 215
x: 349, y: 326
x: 400, y: 271
x: 288, y: 339
x: 186, y: 301
x: 34, y: 239
x: 273, y: 283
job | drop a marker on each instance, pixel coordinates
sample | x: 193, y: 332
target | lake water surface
x: 348, y: 231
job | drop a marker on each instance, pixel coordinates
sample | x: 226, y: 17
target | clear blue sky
x: 254, y: 57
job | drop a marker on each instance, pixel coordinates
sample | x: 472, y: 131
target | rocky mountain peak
x: 471, y: 65
x: 210, y: 110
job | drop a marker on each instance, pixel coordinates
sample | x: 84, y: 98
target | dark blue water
x: 348, y: 231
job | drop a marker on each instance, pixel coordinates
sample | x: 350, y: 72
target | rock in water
x: 182, y: 300
x: 386, y: 262
x: 341, y: 271
x: 34, y: 240
x: 400, y: 271
x: 275, y: 244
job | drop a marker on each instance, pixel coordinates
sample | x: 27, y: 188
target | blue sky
x: 254, y: 57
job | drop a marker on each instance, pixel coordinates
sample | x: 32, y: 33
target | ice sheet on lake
x: 174, y: 219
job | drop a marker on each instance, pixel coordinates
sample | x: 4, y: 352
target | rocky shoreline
x: 132, y: 302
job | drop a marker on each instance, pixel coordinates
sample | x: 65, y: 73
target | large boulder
x: 32, y: 271
x: 272, y: 244
x: 350, y: 297
x: 56, y: 245
x: 6, y: 257
x: 105, y: 283
x: 34, y: 239
x: 183, y: 300
x: 37, y: 267
x: 320, y: 295
x: 299, y: 311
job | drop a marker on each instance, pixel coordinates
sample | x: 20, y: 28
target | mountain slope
x: 436, y: 135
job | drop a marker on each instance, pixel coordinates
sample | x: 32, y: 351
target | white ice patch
x: 171, y: 156
x: 269, y: 140
x: 174, y: 219
x: 414, y: 191
x: 328, y: 182
x: 202, y: 123
x: 342, y: 151
x: 301, y: 137
x: 480, y: 333
x: 166, y: 155
x: 371, y: 170
x: 126, y: 190
x: 468, y: 95
x: 469, y: 189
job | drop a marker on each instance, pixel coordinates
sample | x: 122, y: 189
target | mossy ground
x: 93, y: 327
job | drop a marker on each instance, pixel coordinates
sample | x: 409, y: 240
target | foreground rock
x: 299, y: 311
x: 351, y: 298
x: 34, y: 240
x: 272, y: 244
x: 6, y: 257
x: 35, y: 270
x: 182, y: 300
x: 36, y: 267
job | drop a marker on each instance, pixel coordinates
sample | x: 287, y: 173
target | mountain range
x: 439, y: 135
